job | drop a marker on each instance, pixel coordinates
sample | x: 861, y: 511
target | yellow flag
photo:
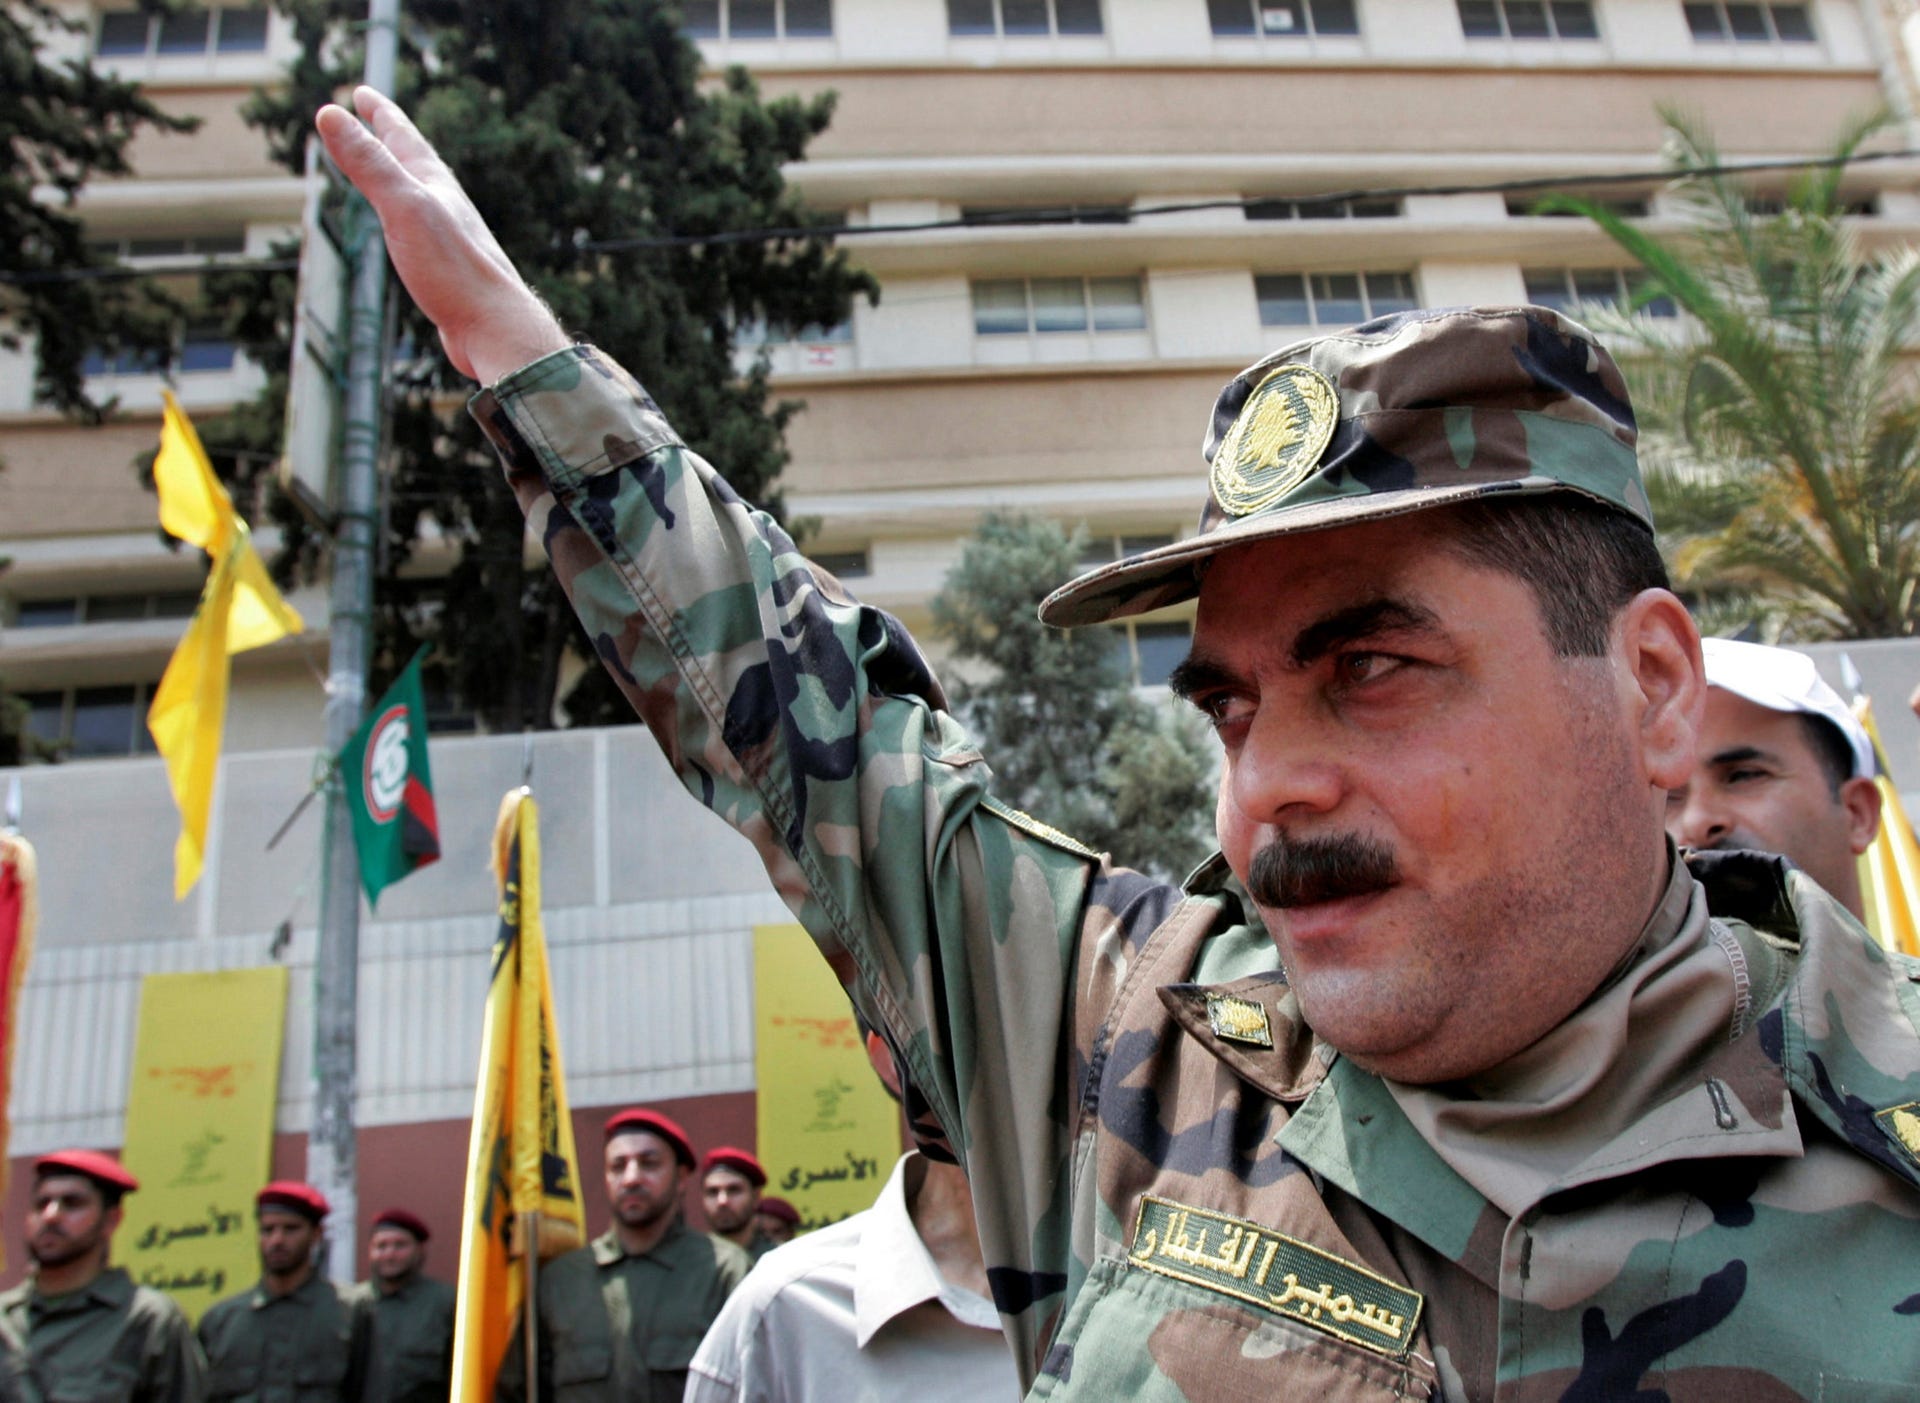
x: 239, y: 609
x: 521, y: 1164
x: 1890, y: 868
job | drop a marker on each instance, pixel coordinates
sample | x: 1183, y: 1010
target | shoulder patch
x: 1276, y: 1273
x: 1901, y: 1124
x: 1032, y: 826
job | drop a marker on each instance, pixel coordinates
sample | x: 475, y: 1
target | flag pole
x: 530, y: 1237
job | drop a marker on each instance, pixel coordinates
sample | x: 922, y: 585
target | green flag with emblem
x: 390, y: 786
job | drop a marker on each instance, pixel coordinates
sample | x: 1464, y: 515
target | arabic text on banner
x: 828, y: 1131
x: 200, y: 1105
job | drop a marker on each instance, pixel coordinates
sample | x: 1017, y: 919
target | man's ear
x: 1861, y: 799
x: 1659, y: 647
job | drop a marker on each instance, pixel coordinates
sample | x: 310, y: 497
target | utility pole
x: 332, y: 1153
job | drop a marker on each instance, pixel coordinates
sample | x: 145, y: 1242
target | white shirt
x: 856, y: 1311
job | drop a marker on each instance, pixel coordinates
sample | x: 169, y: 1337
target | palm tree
x: 1780, y: 421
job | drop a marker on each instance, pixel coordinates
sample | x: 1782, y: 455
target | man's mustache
x: 1303, y: 871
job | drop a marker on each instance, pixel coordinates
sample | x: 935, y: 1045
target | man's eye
x: 1356, y: 668
x: 1220, y: 708
x: 1745, y: 772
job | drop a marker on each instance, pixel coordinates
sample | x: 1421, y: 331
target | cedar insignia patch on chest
x: 1275, y: 1272
x: 1239, y: 1020
x: 1901, y: 1125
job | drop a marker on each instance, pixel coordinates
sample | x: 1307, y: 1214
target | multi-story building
x: 1084, y: 216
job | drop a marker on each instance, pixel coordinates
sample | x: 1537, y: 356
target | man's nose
x: 1697, y: 822
x: 1284, y: 767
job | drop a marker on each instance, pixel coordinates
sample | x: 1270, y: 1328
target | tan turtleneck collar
x: 1518, y: 1130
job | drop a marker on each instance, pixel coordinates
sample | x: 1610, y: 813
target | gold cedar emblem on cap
x: 1239, y: 1020
x: 1282, y: 430
x: 1276, y: 1273
x: 1902, y: 1126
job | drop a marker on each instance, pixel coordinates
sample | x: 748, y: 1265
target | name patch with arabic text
x: 1276, y: 1273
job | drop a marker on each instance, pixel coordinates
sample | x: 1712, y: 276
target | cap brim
x: 1170, y: 574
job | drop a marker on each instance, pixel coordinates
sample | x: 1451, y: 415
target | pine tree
x: 61, y: 124
x: 1069, y: 738
x: 590, y: 142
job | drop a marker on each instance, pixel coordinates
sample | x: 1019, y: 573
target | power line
x: 1019, y: 218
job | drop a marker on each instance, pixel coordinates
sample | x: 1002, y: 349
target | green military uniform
x: 616, y: 1328
x: 110, y: 1340
x: 760, y: 1246
x: 412, y: 1356
x: 309, y: 1346
x: 1705, y: 1184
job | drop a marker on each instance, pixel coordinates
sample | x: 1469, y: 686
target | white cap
x: 1782, y: 680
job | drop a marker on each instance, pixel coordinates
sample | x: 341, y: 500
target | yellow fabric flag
x: 521, y: 1164
x: 239, y: 609
x: 1890, y: 868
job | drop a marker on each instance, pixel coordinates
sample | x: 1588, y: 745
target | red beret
x: 294, y: 1197
x: 403, y: 1220
x: 739, y: 1161
x: 107, y: 1172
x: 781, y: 1209
x: 668, y: 1129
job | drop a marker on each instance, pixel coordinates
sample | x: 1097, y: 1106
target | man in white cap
x: 1784, y: 768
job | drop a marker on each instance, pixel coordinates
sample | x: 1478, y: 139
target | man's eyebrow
x: 1361, y: 621
x: 1195, y: 674
x: 1739, y: 754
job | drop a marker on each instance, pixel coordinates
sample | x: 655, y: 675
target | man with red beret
x: 295, y: 1337
x: 775, y: 1219
x: 621, y: 1317
x: 730, y: 1184
x: 412, y: 1314
x: 76, y: 1327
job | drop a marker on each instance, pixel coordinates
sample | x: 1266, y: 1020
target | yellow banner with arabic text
x: 200, y: 1107
x: 828, y: 1131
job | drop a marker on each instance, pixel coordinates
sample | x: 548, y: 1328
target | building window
x: 1568, y: 289
x: 1626, y: 207
x: 1284, y: 18
x: 1527, y: 19
x: 91, y: 721
x: 757, y: 19
x: 1717, y: 23
x: 843, y: 564
x: 104, y: 608
x: 200, y: 350
x: 1147, y: 654
x: 1046, y: 214
x: 1019, y: 306
x: 226, y: 244
x: 1331, y: 299
x: 189, y: 32
x: 1322, y: 209
x: 1014, y: 19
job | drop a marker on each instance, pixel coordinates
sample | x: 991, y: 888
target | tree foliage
x: 1780, y: 422
x: 61, y: 124
x: 582, y: 130
x: 1068, y: 736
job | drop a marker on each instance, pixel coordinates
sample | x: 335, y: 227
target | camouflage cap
x: 1412, y: 411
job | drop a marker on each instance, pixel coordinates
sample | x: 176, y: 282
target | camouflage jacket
x: 1182, y: 1193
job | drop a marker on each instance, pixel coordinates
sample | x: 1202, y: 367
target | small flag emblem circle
x: 384, y: 778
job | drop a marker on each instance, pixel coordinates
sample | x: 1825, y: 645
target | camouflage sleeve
x: 813, y: 725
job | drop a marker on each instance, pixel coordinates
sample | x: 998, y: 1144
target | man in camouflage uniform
x: 1524, y: 1108
x: 295, y: 1337
x: 620, y: 1318
x: 412, y: 1352
x: 77, y: 1328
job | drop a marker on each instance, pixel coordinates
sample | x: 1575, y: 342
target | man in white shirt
x: 890, y: 1303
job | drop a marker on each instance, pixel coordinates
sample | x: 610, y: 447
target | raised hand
x: 490, y: 321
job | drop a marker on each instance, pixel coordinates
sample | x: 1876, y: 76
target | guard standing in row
x: 77, y: 1327
x: 412, y: 1314
x: 730, y: 1185
x: 295, y: 1337
x: 620, y: 1318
